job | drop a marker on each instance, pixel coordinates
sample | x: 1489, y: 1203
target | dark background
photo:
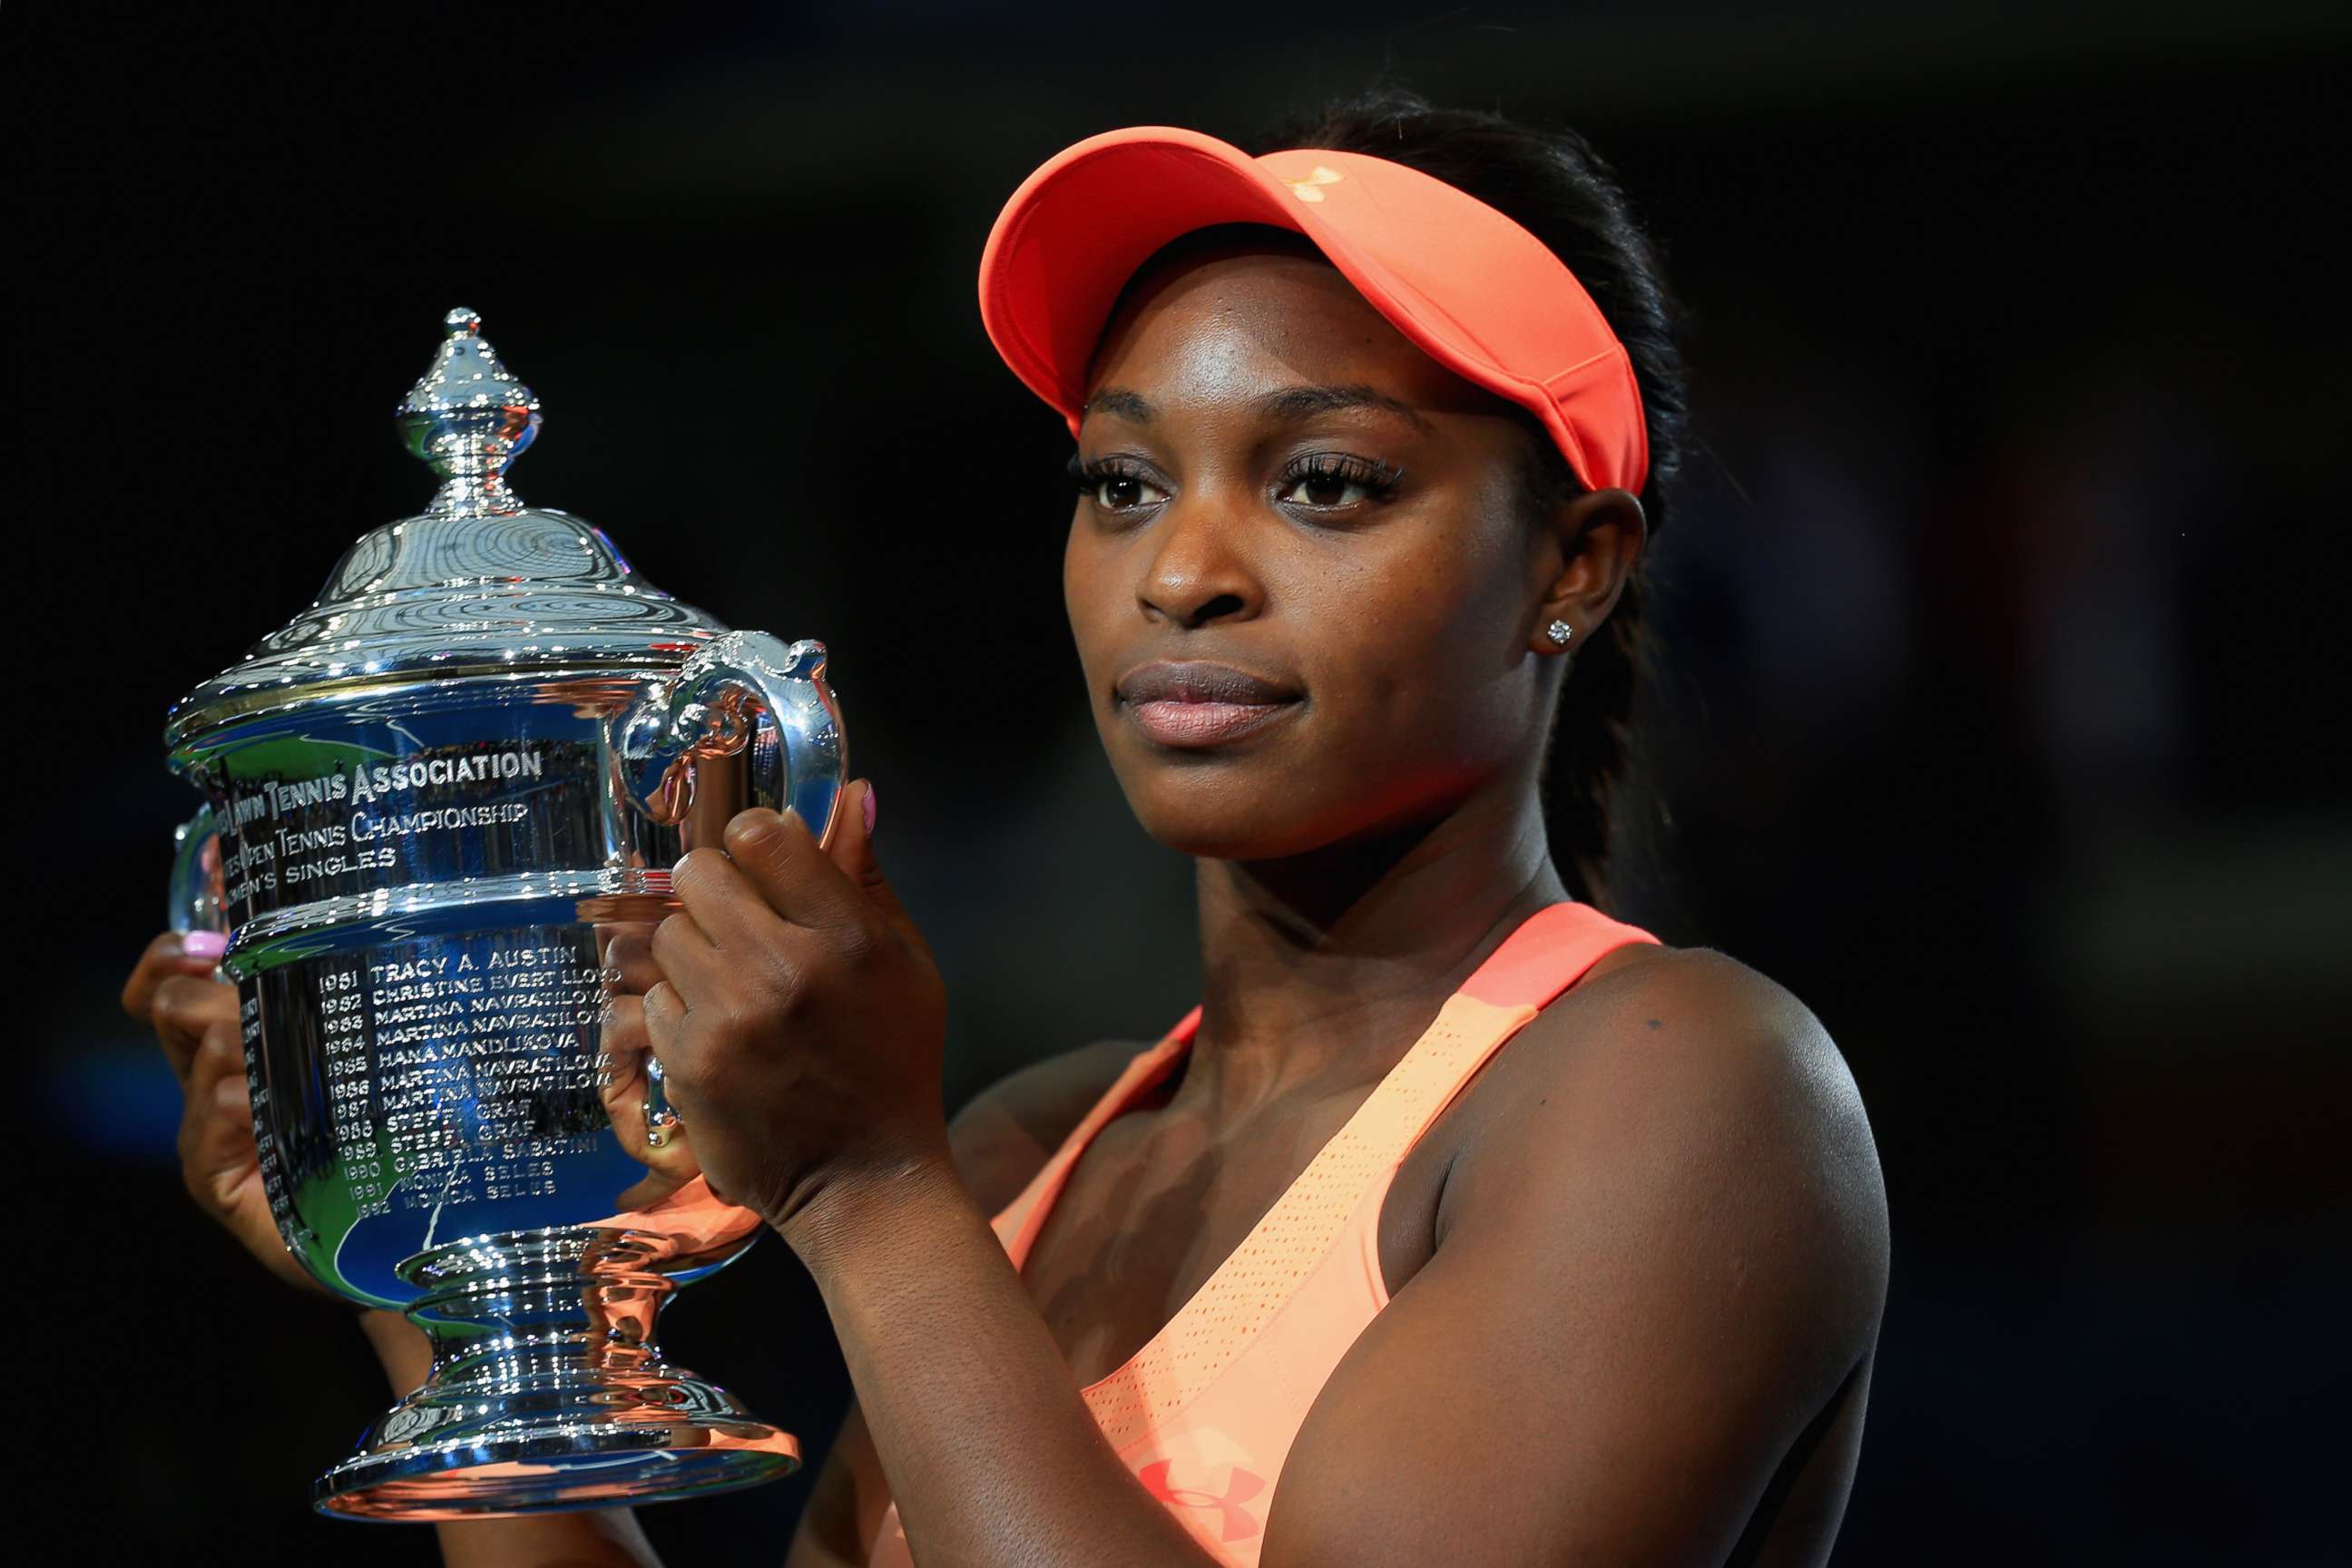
x: 2003, y: 630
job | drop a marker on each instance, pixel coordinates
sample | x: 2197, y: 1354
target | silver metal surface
x: 478, y: 585
x: 430, y: 796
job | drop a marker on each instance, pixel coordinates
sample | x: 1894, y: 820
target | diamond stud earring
x: 1559, y: 632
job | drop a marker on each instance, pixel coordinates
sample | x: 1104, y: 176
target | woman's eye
x: 1330, y: 487
x: 1324, y: 485
x: 1327, y: 490
x: 1125, y: 492
x: 1116, y: 489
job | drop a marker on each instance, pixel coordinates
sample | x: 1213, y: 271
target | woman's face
x: 1301, y: 573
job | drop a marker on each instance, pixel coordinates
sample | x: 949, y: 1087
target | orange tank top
x: 1204, y: 1414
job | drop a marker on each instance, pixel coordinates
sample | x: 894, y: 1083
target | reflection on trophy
x: 487, y: 739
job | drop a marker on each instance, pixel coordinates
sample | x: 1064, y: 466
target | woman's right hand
x: 194, y: 1015
x: 628, y: 952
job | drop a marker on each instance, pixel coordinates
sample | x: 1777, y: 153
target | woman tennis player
x: 1460, y: 1223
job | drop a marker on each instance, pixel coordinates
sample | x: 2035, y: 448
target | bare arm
x: 992, y: 1457
x: 1649, y: 1280
x: 845, y: 1507
x: 998, y: 1142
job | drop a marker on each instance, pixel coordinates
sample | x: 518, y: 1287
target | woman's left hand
x: 799, y: 1017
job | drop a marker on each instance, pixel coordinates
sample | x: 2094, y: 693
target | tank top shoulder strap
x: 1549, y: 952
x: 1018, y: 1223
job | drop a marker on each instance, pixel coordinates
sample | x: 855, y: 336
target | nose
x: 1198, y: 570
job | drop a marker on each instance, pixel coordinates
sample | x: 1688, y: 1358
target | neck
x: 1319, y: 971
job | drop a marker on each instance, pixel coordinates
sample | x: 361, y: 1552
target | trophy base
x: 551, y: 1466
x: 547, y: 1393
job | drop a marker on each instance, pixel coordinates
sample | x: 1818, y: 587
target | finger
x: 852, y: 849
x: 607, y: 932
x: 183, y: 1008
x: 666, y: 1039
x: 777, y: 857
x: 174, y: 952
x: 624, y: 1091
x: 219, y: 1058
x: 672, y: 1051
x: 687, y: 963
x: 216, y: 1147
x: 629, y: 955
x: 624, y: 1044
x: 665, y: 1016
x: 726, y: 907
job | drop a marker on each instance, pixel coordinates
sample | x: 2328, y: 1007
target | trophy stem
x: 547, y: 1391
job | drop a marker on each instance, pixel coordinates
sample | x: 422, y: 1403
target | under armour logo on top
x: 1310, y: 188
x: 1234, y: 1522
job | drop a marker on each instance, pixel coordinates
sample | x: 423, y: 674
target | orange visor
x: 1477, y: 292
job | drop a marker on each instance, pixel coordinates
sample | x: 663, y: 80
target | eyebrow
x: 1289, y: 402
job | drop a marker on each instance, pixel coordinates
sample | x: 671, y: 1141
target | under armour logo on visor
x: 1310, y: 188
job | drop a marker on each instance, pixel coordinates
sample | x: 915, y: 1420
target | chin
x: 1269, y: 812
x: 1217, y: 810
x: 1218, y: 805
x: 1272, y: 802
x: 1228, y: 815
x: 1210, y: 819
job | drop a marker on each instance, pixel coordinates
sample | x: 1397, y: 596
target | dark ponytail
x: 1557, y: 188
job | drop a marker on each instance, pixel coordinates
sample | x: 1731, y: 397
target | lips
x: 1198, y: 680
x: 1196, y: 703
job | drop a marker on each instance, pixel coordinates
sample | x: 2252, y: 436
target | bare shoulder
x: 1009, y: 1130
x: 1719, y: 1036
x: 1691, y: 1095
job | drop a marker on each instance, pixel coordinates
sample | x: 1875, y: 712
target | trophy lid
x: 477, y: 584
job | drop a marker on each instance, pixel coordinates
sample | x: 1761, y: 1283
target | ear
x: 1594, y: 542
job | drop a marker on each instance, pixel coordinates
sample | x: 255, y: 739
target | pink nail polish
x: 208, y: 944
x: 868, y: 804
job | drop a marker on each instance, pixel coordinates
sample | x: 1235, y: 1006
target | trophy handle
x: 711, y: 709
x: 196, y: 889
x: 708, y: 710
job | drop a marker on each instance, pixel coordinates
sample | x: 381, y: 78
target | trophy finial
x: 467, y: 418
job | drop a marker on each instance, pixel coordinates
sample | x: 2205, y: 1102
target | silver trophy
x: 428, y: 793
